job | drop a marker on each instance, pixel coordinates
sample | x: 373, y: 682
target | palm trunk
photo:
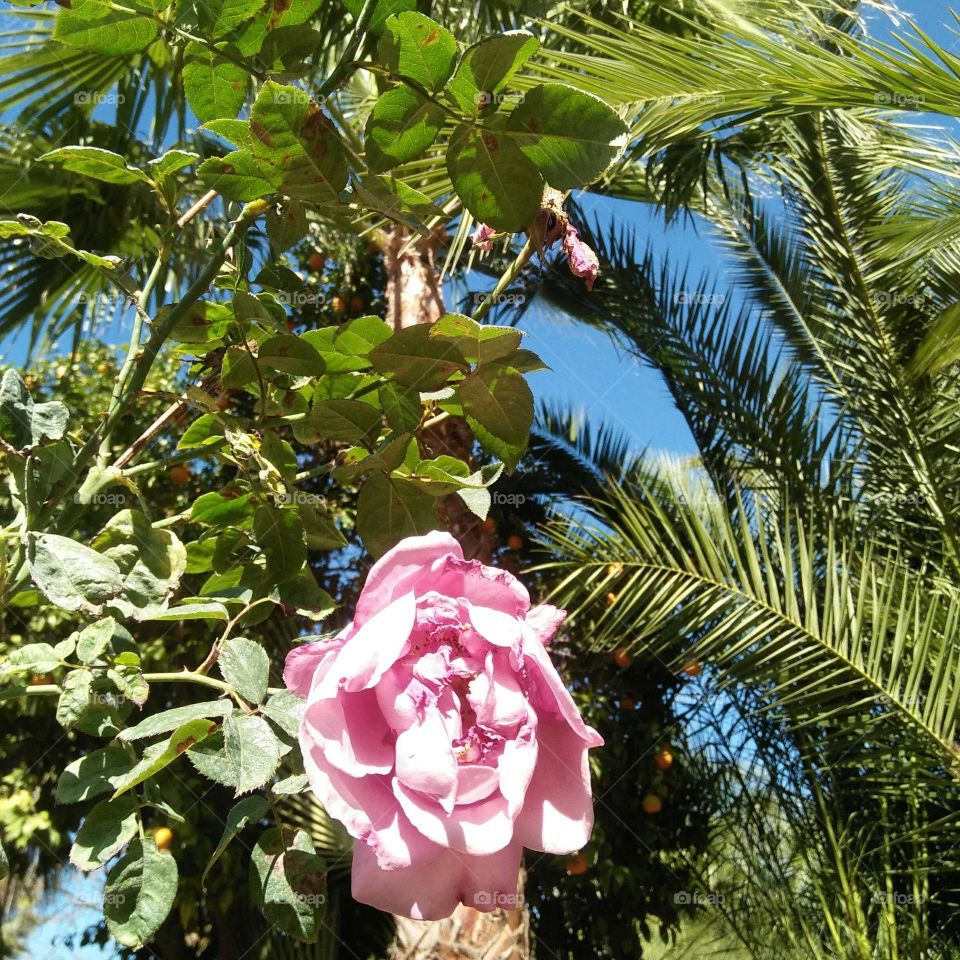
x: 413, y: 295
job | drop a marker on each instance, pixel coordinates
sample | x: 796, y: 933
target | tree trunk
x: 414, y: 295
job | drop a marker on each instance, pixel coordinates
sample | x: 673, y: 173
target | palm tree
x: 808, y: 559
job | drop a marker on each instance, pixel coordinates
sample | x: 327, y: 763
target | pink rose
x: 583, y: 261
x: 482, y: 238
x: 438, y: 731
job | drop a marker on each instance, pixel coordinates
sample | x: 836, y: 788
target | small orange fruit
x: 339, y: 306
x: 615, y: 569
x: 627, y: 703
x: 223, y: 401
x: 611, y: 599
x: 652, y: 803
x: 316, y: 261
x: 489, y: 524
x: 163, y: 837
x: 40, y: 679
x: 103, y: 367
x: 577, y: 865
x: 515, y: 542
x: 622, y: 658
x: 663, y: 758
x: 179, y: 475
x: 357, y: 303
x: 692, y: 668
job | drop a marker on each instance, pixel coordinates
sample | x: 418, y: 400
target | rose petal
x: 545, y: 619
x: 367, y: 808
x: 404, y: 568
x: 351, y: 732
x: 582, y: 260
x: 552, y: 696
x: 425, y: 760
x: 373, y: 649
x: 557, y: 814
x: 516, y: 767
x: 496, y: 697
x: 478, y: 829
x: 432, y: 889
x: 476, y: 782
x: 495, y: 626
x: 482, y: 585
x: 308, y: 661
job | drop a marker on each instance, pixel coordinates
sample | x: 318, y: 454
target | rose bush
x: 439, y: 732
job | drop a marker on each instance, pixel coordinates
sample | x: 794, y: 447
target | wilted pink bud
x: 439, y: 732
x: 583, y: 261
x: 482, y: 237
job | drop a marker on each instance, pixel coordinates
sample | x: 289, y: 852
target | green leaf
x: 360, y: 335
x: 36, y: 657
x: 24, y: 423
x: 186, y: 611
x: 287, y: 224
x: 218, y: 17
x: 94, y: 640
x: 218, y: 510
x: 150, y: 561
x: 306, y: 596
x: 416, y: 47
x: 493, y: 178
x: 414, y: 359
x: 571, y: 136
x: 71, y: 575
x: 95, y: 25
x: 280, y: 455
x: 172, y: 719
x: 91, y: 704
x: 290, y: 354
x: 215, y: 87
x: 401, y: 126
x: 139, y: 893
x: 498, y: 405
x: 296, y: 145
x: 246, y: 667
x: 160, y: 755
x: 252, y: 750
x: 381, y: 12
x: 295, y: 783
x: 97, y: 163
x: 487, y: 66
x: 107, y: 829
x: 284, y: 709
x: 478, y: 343
x: 171, y: 162
x: 288, y: 883
x: 321, y: 533
x: 390, y: 509
x: 98, y: 772
x: 235, y: 176
x: 347, y: 420
x: 401, y: 406
x: 279, y: 533
x: 246, y: 811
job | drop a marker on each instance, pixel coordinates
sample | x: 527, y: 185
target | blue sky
x: 588, y: 373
